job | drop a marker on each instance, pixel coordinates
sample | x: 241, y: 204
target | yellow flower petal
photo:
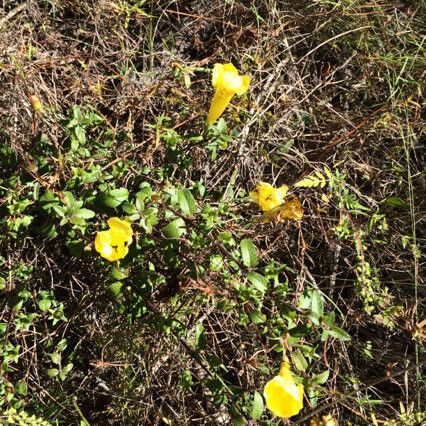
x: 227, y: 82
x: 121, y: 229
x: 113, y: 243
x: 290, y: 209
x: 121, y: 251
x: 324, y: 421
x: 219, y: 103
x: 268, y: 197
x: 245, y: 84
x: 103, y: 245
x: 283, y: 397
x: 285, y: 372
x: 217, y: 75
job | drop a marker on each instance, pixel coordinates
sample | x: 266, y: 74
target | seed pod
x: 36, y: 104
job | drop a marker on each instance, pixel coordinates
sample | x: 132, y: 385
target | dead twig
x: 12, y: 13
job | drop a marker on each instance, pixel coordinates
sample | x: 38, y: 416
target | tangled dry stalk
x: 336, y: 83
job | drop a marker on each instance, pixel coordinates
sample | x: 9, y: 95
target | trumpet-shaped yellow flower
x: 283, y: 397
x: 227, y: 83
x: 113, y: 243
x: 267, y: 196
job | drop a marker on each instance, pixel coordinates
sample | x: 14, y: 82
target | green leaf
x: 257, y: 317
x: 115, y: 197
x: 237, y: 418
x: 174, y: 229
x: 52, y: 372
x: 56, y: 358
x: 299, y: 360
x: 321, y: 178
x: 64, y: 372
x: 200, y: 337
x: 314, y: 318
x: 59, y: 210
x: 62, y: 345
x: 68, y: 368
x: 145, y: 191
x: 44, y: 304
x: 317, y: 304
x: 47, y: 199
x: 84, y: 214
x: 330, y: 318
x: 305, y: 301
x: 248, y: 253
x: 115, y: 288
x: 258, y: 281
x: 48, y: 230
x: 216, y: 262
x: 149, y: 219
x: 257, y: 407
x: 300, y: 330
x: 312, y: 181
x: 186, y: 201
x: 129, y: 208
x: 396, y: 202
x: 21, y: 388
x: 321, y: 378
x: 338, y: 333
x: 69, y: 200
x: 80, y: 135
x: 118, y: 274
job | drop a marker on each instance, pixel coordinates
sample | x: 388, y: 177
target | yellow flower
x: 290, y: 209
x: 324, y: 421
x: 227, y: 83
x: 283, y: 397
x: 267, y: 196
x: 113, y: 243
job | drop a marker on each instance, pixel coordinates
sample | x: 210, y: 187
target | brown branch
x: 354, y: 392
x: 12, y: 13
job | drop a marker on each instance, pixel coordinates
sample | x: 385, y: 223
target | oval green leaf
x: 248, y: 253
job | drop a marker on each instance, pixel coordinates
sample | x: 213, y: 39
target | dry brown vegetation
x: 335, y: 83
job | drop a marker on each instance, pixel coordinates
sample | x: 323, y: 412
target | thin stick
x: 12, y: 13
x: 331, y: 39
x: 350, y: 394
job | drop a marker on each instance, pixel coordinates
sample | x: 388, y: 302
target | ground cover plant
x: 246, y: 252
